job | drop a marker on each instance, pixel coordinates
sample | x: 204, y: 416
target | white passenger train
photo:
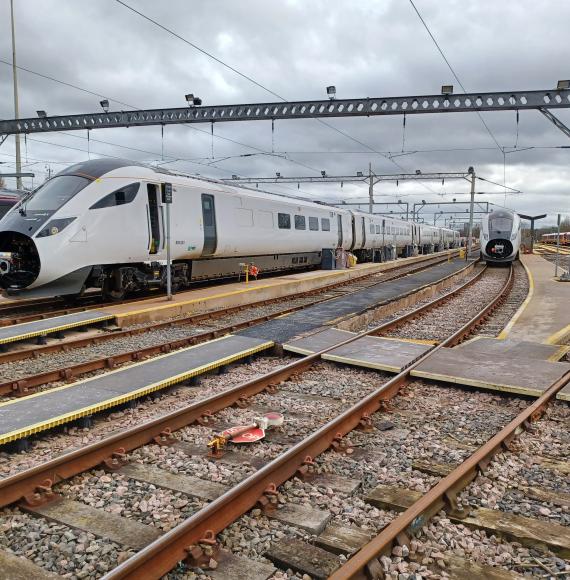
x: 101, y: 223
x: 500, y: 237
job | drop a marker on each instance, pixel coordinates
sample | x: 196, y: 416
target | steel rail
x: 441, y: 495
x: 22, y: 385
x: 162, y: 555
x: 9, y: 321
x: 387, y: 276
x: 19, y: 485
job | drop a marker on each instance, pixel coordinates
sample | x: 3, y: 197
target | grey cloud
x: 297, y: 48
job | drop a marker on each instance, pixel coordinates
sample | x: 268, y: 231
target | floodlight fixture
x: 563, y: 85
x: 193, y: 101
x: 359, y: 174
x: 418, y: 172
x: 471, y: 171
x: 277, y: 174
x: 446, y: 89
x: 104, y: 105
x: 41, y: 114
x: 331, y: 92
x: 234, y: 176
x: 323, y: 173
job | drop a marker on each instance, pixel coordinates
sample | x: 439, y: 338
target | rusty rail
x: 25, y: 385
x: 443, y: 495
x: 162, y: 555
x: 15, y: 487
x: 7, y: 320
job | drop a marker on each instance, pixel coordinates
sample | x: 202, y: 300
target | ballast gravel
x: 441, y: 321
x: 47, y: 446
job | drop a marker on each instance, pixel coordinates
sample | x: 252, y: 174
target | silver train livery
x: 102, y: 223
x: 500, y: 236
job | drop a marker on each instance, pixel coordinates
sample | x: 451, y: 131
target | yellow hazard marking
x: 558, y: 354
x: 52, y: 329
x: 112, y: 402
x: 362, y: 363
x: 411, y: 340
x: 503, y: 334
x: 321, y: 276
x: 559, y: 336
x: 478, y: 384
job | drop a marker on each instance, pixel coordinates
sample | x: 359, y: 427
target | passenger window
x: 377, y: 229
x: 314, y: 224
x: 300, y: 223
x: 371, y: 228
x: 325, y: 224
x: 120, y: 197
x: 284, y: 221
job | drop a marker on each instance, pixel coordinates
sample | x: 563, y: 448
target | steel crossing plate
x: 50, y: 325
x: 373, y: 352
x: 499, y: 372
x: 284, y: 328
x: 23, y: 417
x: 485, y: 346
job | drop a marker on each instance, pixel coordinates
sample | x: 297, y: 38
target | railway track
x: 42, y: 308
x: 187, y: 331
x: 163, y: 554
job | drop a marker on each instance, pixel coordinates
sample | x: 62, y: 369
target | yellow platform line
x: 231, y: 293
x: 477, y: 384
x: 114, y: 401
x: 332, y: 274
x: 558, y: 354
x: 362, y: 363
x: 504, y: 333
x: 427, y: 341
x: 559, y: 336
x: 52, y: 329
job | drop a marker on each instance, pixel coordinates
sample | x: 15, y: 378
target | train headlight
x: 54, y: 227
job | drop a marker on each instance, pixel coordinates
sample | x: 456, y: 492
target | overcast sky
x: 295, y: 48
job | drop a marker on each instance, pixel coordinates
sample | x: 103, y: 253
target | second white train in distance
x: 102, y: 223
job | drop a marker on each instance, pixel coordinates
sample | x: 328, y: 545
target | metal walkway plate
x: 497, y: 372
x: 485, y: 346
x: 373, y: 352
x: 49, y: 325
x: 326, y: 313
x: 41, y: 411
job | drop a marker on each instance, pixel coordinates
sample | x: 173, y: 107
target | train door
x: 209, y: 220
x: 339, y: 226
x: 353, y: 229
x: 153, y: 219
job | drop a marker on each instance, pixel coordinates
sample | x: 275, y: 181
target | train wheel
x: 113, y: 289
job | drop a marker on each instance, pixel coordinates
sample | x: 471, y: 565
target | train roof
x: 95, y: 168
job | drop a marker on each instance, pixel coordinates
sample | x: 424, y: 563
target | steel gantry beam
x: 363, y: 107
x: 418, y: 176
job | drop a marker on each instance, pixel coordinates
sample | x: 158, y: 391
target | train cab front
x: 499, y: 249
x: 19, y: 262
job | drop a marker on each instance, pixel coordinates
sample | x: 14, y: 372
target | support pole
x: 471, y: 209
x: 168, y: 259
x: 370, y: 190
x: 557, y: 249
x: 16, y: 107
